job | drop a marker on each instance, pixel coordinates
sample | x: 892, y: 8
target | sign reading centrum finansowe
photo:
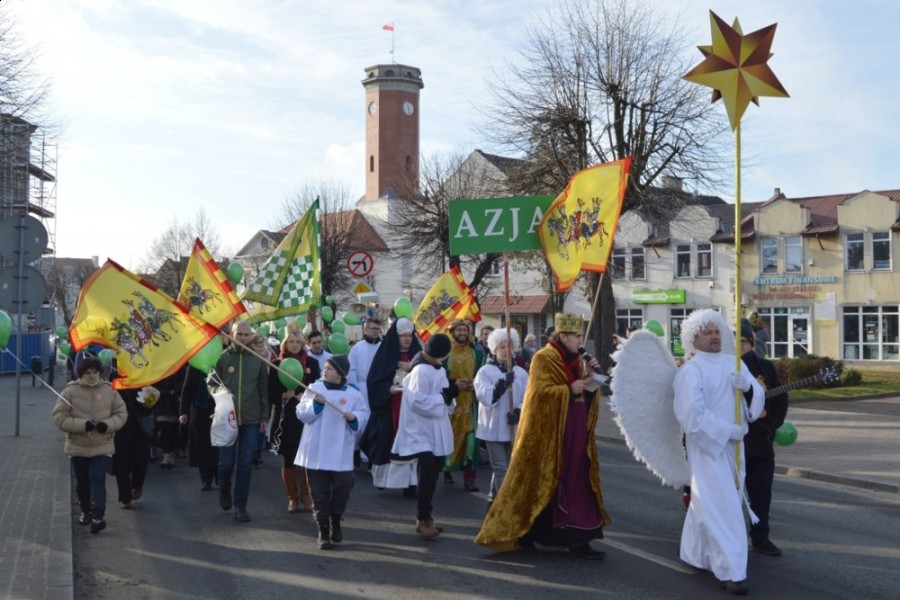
x: 496, y: 224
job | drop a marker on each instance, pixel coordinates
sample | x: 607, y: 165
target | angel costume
x: 714, y: 536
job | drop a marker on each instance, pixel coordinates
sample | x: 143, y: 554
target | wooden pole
x: 509, y: 363
x: 738, y: 396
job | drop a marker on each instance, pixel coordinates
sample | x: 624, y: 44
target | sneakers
x: 225, y: 499
x: 737, y: 588
x: 84, y: 519
x: 97, y: 525
x: 427, y: 529
x: 241, y: 515
x: 587, y: 552
x: 767, y: 547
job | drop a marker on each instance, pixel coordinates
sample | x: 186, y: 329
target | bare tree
x: 23, y: 89
x: 337, y: 220
x: 600, y: 80
x: 166, y: 259
x: 65, y: 278
x: 421, y: 220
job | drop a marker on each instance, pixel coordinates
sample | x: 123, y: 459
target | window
x: 628, y: 318
x: 496, y: 269
x: 855, y: 251
x: 617, y: 261
x: 704, y: 260
x: 871, y: 333
x: 683, y: 260
x: 793, y: 255
x: 637, y: 263
x: 676, y: 318
x: 768, y: 255
x: 881, y: 251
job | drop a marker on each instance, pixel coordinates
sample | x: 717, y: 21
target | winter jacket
x: 81, y: 403
x: 245, y: 376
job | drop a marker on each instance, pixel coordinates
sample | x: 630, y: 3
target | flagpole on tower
x: 390, y: 27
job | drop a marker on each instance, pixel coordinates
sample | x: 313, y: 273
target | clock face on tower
x: 373, y: 108
x: 408, y: 108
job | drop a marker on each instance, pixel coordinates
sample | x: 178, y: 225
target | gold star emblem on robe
x: 735, y: 67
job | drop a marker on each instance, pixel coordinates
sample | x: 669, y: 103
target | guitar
x: 825, y: 376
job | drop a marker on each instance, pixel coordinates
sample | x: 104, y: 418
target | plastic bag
x: 223, y: 431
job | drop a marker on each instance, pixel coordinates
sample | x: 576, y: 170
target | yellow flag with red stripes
x: 206, y: 291
x: 448, y: 299
x: 577, y: 230
x: 152, y: 334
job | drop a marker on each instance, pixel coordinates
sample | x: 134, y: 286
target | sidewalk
x: 853, y: 442
x: 35, y: 496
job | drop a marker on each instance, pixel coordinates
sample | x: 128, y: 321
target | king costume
x: 551, y: 494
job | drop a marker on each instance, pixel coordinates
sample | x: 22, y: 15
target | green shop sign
x: 496, y: 224
x: 658, y: 296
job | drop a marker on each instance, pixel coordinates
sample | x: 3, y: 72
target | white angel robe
x: 714, y: 536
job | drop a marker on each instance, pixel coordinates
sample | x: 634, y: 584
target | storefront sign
x: 658, y: 296
x: 762, y: 281
x: 496, y: 224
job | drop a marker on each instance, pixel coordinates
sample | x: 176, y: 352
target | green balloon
x: 62, y: 332
x: 263, y: 331
x: 293, y: 373
x: 653, y: 326
x: 327, y: 314
x: 786, y: 434
x: 329, y: 300
x: 403, y: 307
x: 280, y: 322
x: 338, y: 343
x: 300, y: 320
x: 207, y: 357
x: 350, y: 318
x: 281, y: 332
x: 65, y: 348
x: 106, y: 355
x: 338, y: 326
x: 235, y: 272
x: 5, y: 329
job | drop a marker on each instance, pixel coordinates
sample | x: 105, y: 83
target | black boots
x: 324, y: 535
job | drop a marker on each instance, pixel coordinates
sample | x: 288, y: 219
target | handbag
x: 223, y: 431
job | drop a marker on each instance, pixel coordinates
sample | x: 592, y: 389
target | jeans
x: 242, y: 452
x: 498, y: 453
x: 90, y: 483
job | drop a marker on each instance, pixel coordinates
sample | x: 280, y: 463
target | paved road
x: 852, y: 443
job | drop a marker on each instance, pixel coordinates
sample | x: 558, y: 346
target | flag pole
x: 738, y: 400
x: 594, y: 306
x: 509, y: 363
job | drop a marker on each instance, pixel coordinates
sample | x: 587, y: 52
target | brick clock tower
x: 392, y: 128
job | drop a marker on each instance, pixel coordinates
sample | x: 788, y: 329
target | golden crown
x: 568, y: 323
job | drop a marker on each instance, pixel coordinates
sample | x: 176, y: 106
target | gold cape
x: 534, y: 468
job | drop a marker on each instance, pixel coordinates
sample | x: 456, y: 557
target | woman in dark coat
x: 286, y: 428
x: 132, y: 457
x: 166, y: 412
x: 195, y: 411
x: 390, y: 364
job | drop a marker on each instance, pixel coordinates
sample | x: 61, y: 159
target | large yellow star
x: 735, y: 67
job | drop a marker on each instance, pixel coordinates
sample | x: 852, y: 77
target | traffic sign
x: 360, y: 263
x: 361, y: 288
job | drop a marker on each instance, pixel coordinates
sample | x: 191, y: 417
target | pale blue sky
x: 232, y: 105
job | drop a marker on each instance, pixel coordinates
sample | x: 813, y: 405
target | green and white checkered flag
x: 290, y: 280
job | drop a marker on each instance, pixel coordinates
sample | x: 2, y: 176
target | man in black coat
x: 758, y: 443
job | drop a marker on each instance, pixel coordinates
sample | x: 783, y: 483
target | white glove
x: 739, y: 382
x: 738, y: 432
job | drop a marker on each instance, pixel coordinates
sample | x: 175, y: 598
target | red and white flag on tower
x: 388, y: 27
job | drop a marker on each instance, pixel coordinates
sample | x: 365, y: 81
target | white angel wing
x: 642, y: 401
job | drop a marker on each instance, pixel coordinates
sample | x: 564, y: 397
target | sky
x: 170, y: 106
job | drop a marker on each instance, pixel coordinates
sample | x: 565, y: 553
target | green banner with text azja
x: 496, y: 224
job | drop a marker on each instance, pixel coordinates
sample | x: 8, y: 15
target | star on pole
x: 735, y: 67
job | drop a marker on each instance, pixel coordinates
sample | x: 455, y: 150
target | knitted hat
x: 404, y: 325
x: 438, y: 346
x: 339, y: 363
x: 569, y: 323
x: 746, y: 330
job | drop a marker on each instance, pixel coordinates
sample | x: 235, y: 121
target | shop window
x: 871, y: 333
x: 855, y: 246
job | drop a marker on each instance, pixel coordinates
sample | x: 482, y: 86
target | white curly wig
x: 499, y: 335
x: 691, y: 326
